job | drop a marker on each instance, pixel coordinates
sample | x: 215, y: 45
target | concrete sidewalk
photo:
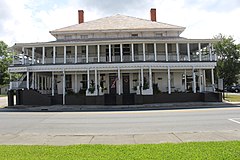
x: 79, y: 108
x: 36, y: 139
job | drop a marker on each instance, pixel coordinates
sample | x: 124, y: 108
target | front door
x: 112, y: 84
x: 126, y: 85
x: 110, y: 99
x: 128, y: 98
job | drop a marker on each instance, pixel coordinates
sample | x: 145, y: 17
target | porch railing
x: 18, y: 85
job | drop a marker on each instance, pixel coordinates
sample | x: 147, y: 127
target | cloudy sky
x: 31, y: 20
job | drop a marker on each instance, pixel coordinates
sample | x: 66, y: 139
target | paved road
x: 63, y: 128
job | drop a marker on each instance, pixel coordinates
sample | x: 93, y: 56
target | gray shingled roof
x: 118, y: 22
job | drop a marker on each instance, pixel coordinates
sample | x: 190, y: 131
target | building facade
x: 115, y: 60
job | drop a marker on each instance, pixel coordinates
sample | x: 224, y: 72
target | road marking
x: 236, y: 120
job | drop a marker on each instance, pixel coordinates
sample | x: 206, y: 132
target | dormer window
x: 134, y: 35
x: 68, y: 37
x: 84, y: 36
x: 159, y: 34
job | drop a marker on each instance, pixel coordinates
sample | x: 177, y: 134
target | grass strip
x: 195, y: 150
x: 232, y: 98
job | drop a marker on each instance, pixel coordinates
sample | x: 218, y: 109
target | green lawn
x: 3, y: 95
x: 201, y: 150
x: 232, y: 98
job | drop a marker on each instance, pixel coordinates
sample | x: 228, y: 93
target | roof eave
x: 118, y: 30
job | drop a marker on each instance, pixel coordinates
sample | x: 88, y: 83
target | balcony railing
x: 172, y: 57
x: 48, y: 60
x: 127, y: 58
x: 183, y: 57
x: 138, y: 57
x: 161, y: 57
x: 149, y: 57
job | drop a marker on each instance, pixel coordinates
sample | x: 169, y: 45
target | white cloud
x: 28, y: 21
x: 199, y: 22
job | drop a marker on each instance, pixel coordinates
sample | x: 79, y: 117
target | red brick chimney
x: 80, y: 16
x: 153, y: 14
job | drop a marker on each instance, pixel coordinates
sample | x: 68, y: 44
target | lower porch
x: 144, y: 85
x: 34, y: 98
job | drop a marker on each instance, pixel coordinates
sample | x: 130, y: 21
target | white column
x: 95, y: 81
x: 132, y: 45
x: 53, y: 84
x: 169, y: 81
x: 166, y: 51
x: 27, y: 79
x: 210, y: 52
x: 150, y: 78
x: 64, y: 91
x: 88, y: 81
x: 188, y: 52
x: 54, y: 54
x: 43, y: 55
x: 98, y: 53
x: 212, y: 73
x: 75, y: 54
x: 194, y: 81
x: 109, y: 53
x: 177, y: 49
x: 200, y: 80
x: 65, y: 54
x: 75, y: 83
x: 185, y: 80
x: 204, y: 80
x: 33, y: 54
x: 48, y: 80
x: 38, y: 82
x: 142, y: 79
x: 49, y: 83
x: 99, y: 80
x: 41, y: 82
x: 144, y: 52
x: 23, y: 60
x: 86, y: 53
x: 35, y: 82
x: 119, y: 82
x: 214, y: 58
x: 139, y: 78
x: 199, y: 51
x: 155, y: 51
x: 121, y: 52
x: 45, y: 80
x: 27, y: 57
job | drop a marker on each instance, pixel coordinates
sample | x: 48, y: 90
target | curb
x: 91, y: 108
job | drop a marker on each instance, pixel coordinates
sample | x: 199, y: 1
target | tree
x: 228, y: 66
x: 5, y: 61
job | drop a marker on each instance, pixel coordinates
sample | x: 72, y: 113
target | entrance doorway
x: 110, y: 99
x: 127, y: 97
x: 126, y: 85
x: 112, y: 84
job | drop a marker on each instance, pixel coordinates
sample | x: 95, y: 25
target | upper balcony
x: 115, y: 53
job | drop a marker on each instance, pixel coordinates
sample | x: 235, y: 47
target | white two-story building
x: 115, y: 60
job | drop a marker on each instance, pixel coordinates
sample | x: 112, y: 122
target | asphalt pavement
x: 120, y: 127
